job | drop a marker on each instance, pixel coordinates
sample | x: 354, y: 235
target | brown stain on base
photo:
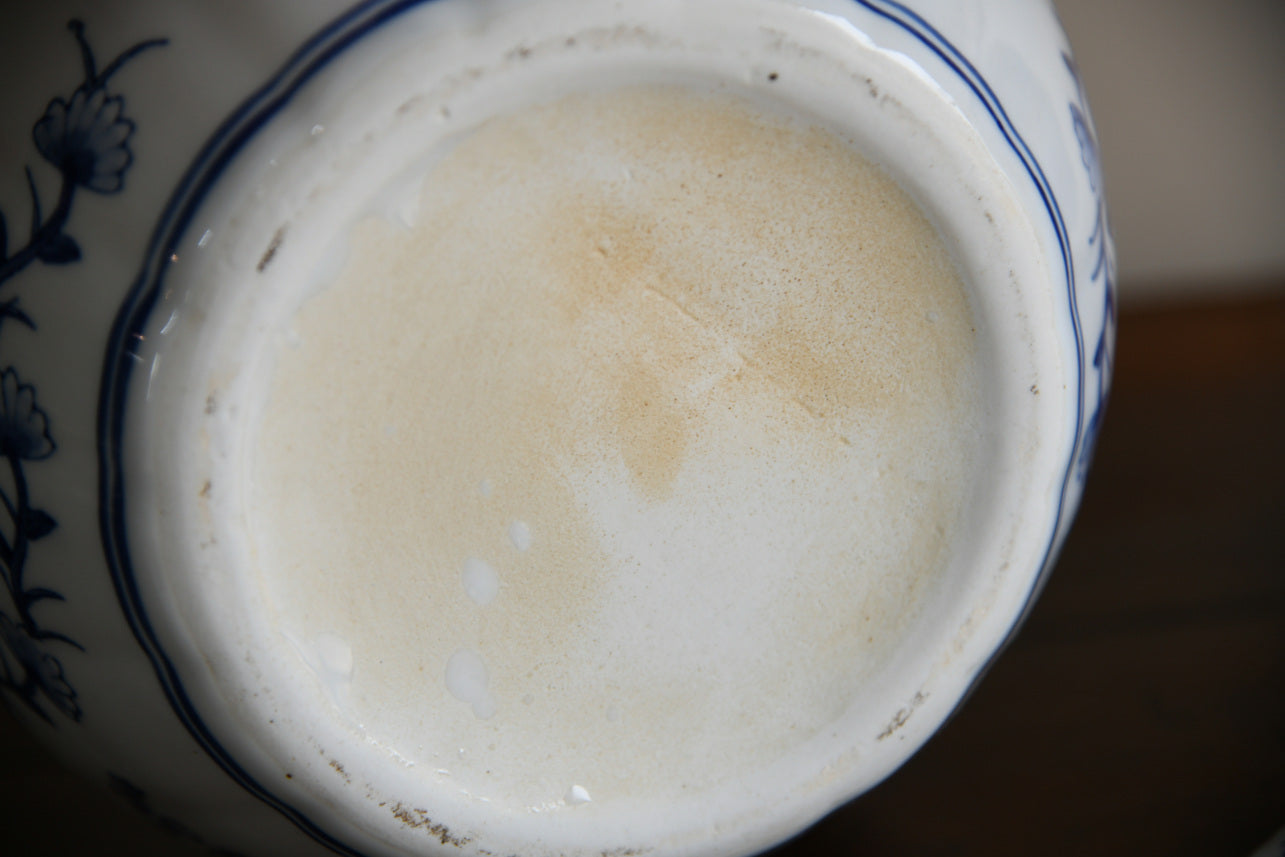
x: 273, y: 246
x: 418, y: 819
x: 899, y: 719
x: 653, y: 431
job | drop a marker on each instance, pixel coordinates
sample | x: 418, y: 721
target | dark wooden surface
x: 1140, y: 711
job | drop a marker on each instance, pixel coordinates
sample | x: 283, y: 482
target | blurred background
x: 1189, y: 100
x: 1142, y: 708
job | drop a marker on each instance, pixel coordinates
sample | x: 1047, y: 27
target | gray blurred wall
x: 1189, y: 99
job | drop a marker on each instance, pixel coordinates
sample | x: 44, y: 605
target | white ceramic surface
x: 120, y: 649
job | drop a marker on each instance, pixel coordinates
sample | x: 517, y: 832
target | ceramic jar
x: 127, y: 126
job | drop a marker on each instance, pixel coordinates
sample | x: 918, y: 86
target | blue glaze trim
x: 208, y: 166
x: 119, y: 362
x: 958, y: 63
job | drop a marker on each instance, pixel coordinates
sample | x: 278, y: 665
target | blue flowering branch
x: 24, y: 436
x: 85, y: 137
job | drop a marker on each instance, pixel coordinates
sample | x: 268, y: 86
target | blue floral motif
x: 24, y: 428
x: 43, y: 673
x: 25, y: 667
x: 85, y: 137
x: 1103, y: 267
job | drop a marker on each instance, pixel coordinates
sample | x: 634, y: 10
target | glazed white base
x: 398, y: 99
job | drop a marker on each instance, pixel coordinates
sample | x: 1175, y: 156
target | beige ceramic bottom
x: 622, y: 448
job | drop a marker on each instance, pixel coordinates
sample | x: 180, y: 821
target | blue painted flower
x: 24, y: 428
x: 1085, y: 133
x: 44, y: 671
x: 87, y: 138
x: 1088, y: 141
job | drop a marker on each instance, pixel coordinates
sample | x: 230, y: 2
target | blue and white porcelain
x: 124, y: 126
